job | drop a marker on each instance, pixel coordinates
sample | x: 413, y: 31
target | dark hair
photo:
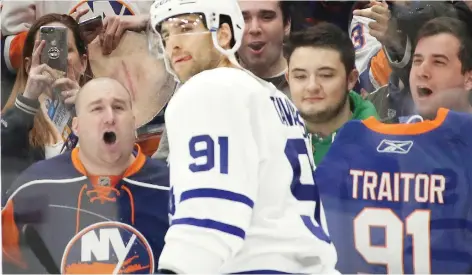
x: 456, y: 28
x: 324, y: 35
x: 283, y: 5
x: 285, y: 8
x: 72, y: 25
x: 42, y: 130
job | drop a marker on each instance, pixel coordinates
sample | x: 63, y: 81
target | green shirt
x: 361, y: 109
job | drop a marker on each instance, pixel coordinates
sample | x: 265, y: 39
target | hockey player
x: 243, y: 195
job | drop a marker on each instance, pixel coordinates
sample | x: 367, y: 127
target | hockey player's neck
x: 225, y: 63
x: 326, y: 128
x: 97, y: 166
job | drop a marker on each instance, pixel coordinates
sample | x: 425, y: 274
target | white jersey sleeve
x: 365, y: 44
x: 213, y: 171
x: 371, y: 62
x: 17, y: 16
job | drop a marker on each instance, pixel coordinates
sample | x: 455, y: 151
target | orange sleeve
x: 380, y: 68
x: 16, y: 49
x: 11, y: 237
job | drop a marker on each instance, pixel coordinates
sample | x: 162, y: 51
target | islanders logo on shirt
x: 108, y: 248
x: 106, y: 7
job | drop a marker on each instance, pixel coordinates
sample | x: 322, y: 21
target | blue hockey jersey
x: 89, y: 224
x: 397, y: 198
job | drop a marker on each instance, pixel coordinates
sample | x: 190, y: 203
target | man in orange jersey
x: 101, y: 208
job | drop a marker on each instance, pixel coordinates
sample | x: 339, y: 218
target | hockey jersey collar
x: 407, y: 129
x: 360, y: 108
x: 135, y: 167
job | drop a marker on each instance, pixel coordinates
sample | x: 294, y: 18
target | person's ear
x: 352, y: 79
x: 75, y: 126
x: 224, y: 36
x: 27, y: 63
x: 84, y: 62
x: 468, y: 81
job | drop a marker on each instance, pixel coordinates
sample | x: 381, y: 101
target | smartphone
x: 91, y: 24
x: 56, y: 50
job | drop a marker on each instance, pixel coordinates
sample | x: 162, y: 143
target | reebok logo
x: 395, y: 146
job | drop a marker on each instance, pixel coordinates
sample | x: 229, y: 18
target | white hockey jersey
x: 241, y: 170
x: 371, y: 61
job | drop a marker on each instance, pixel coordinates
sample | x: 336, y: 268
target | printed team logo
x: 54, y: 53
x: 104, y: 181
x: 105, y: 7
x: 108, y: 248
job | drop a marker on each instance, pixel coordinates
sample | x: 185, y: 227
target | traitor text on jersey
x: 398, y: 187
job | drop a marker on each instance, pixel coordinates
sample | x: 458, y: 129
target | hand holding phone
x: 55, y: 55
x: 67, y: 88
x: 39, y: 75
x: 91, y: 28
x: 55, y: 52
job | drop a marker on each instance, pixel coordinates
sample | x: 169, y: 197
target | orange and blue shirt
x: 88, y: 223
x: 397, y: 196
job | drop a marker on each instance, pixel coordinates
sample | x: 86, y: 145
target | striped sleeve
x: 16, y: 124
x: 12, y: 46
x: 377, y: 72
x: 365, y: 45
x: 213, y: 172
x: 371, y: 62
x: 27, y: 105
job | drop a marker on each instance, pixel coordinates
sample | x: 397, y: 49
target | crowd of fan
x: 363, y: 62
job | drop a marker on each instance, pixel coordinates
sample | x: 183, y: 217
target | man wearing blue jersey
x: 397, y: 196
x: 99, y: 209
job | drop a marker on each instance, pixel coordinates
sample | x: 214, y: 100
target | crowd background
x: 383, y: 34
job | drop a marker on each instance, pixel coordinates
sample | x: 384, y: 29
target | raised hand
x: 79, y: 13
x: 115, y: 26
x: 380, y: 13
x: 40, y: 76
x: 68, y: 87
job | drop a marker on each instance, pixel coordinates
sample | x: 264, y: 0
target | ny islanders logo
x: 106, y: 7
x: 108, y: 248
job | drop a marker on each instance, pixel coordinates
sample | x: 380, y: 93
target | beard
x: 211, y: 61
x: 330, y: 112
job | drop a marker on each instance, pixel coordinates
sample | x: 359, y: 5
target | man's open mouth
x: 424, y: 91
x: 256, y: 46
x: 109, y: 138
